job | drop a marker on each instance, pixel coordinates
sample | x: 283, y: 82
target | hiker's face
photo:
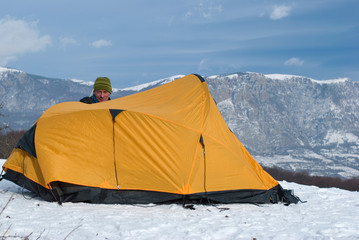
x: 102, y: 95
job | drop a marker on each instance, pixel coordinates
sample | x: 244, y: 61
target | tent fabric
x: 165, y: 144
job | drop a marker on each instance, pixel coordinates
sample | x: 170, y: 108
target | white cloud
x: 101, y: 43
x: 205, y: 9
x: 280, y: 12
x: 203, y: 64
x: 294, y: 62
x: 18, y: 37
x: 171, y: 21
x: 188, y: 14
x: 66, y: 41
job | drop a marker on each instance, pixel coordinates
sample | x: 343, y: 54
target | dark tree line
x: 305, y: 178
x: 8, y: 141
x: 8, y: 138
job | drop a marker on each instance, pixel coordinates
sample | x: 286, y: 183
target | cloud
x: 280, y: 12
x: 19, y: 37
x: 171, y: 21
x: 294, y: 62
x: 203, y: 64
x: 101, y: 43
x: 66, y: 41
x: 205, y: 9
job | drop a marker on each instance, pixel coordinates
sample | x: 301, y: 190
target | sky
x: 139, y: 41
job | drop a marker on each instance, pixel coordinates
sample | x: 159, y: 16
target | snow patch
x: 344, y: 171
x: 276, y: 76
x: 331, y: 81
x: 147, y: 85
x: 283, y: 77
x: 212, y: 76
x: 232, y: 76
x: 226, y: 105
x: 340, y: 137
x: 6, y: 70
x: 82, y: 82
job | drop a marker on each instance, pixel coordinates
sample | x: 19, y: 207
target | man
x: 102, y: 90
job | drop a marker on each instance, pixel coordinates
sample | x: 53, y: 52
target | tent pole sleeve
x: 204, y: 165
x: 114, y: 152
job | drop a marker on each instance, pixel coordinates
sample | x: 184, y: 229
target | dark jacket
x: 90, y: 100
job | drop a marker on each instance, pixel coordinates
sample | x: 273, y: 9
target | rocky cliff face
x: 313, y: 123
x: 273, y: 115
x: 292, y: 122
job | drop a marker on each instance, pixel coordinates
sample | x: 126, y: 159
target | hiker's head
x: 102, y: 88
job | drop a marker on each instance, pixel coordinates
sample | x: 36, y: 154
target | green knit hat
x: 103, y: 83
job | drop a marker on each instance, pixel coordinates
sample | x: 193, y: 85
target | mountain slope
x: 316, y: 123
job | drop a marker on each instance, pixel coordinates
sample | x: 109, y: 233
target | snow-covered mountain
x: 293, y: 122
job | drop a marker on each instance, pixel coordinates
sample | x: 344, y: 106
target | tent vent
x: 115, y: 112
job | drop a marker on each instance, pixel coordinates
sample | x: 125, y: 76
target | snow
x: 328, y: 214
x: 229, y: 76
x: 146, y: 85
x: 330, y: 81
x: 226, y: 104
x: 136, y: 88
x: 232, y: 76
x: 83, y: 82
x: 282, y: 77
x: 276, y: 76
x: 340, y: 137
x: 213, y: 76
x: 6, y: 70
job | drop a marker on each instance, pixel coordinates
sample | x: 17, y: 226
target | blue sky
x: 138, y: 41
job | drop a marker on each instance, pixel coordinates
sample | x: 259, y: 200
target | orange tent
x: 165, y: 144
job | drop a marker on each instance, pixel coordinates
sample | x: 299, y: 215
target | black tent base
x: 66, y: 192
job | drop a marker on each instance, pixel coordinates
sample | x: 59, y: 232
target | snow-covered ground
x: 327, y: 214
